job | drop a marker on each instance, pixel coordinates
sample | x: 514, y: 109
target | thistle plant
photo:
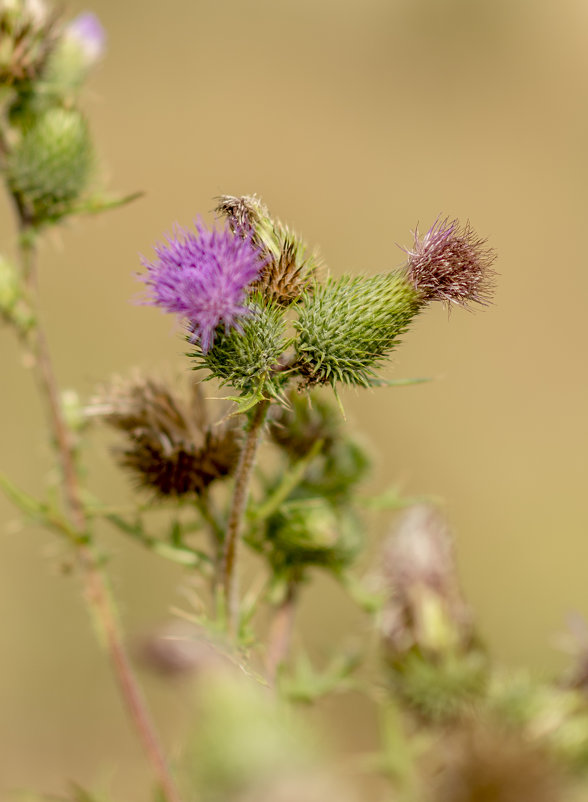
x: 269, y: 480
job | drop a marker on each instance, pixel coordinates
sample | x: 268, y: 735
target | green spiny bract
x: 51, y: 167
x: 169, y: 445
x: 247, y: 360
x: 348, y: 327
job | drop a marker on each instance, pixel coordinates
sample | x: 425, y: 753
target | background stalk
x: 280, y: 634
x: 97, y: 594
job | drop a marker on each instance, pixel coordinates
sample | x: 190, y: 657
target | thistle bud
x: 451, y: 264
x: 349, y: 326
x: 170, y: 447
x: 297, y: 427
x: 51, y: 167
x: 288, y: 266
x: 244, y: 747
x: 79, y: 48
x: 425, y: 608
x: 342, y: 462
x: 311, y: 532
x: 429, y: 642
x: 246, y: 357
x: 27, y: 38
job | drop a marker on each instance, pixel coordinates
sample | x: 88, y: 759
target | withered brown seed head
x: 288, y: 267
x: 419, y: 554
x: 451, y: 264
x: 283, y: 280
x: 242, y: 213
x: 169, y: 445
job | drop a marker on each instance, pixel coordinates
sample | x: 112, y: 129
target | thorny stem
x: 237, y: 511
x: 280, y: 634
x: 97, y: 593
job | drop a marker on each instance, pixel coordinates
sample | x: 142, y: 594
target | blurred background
x: 354, y: 121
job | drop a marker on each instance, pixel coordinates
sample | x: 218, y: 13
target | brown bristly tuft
x: 170, y: 447
x: 283, y: 280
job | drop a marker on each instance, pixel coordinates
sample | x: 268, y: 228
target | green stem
x: 289, y: 482
x: 97, y: 592
x: 236, y: 514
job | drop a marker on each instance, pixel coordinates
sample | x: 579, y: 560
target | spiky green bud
x: 50, y: 168
x: 310, y: 532
x: 349, y: 326
x: 247, y: 360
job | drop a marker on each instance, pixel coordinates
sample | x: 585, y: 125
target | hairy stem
x: 280, y: 634
x: 237, y: 511
x: 97, y: 593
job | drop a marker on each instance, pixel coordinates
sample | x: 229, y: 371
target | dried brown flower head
x: 170, y: 446
x: 284, y: 279
x: 288, y: 266
x: 420, y: 572
x: 28, y: 35
x: 451, y: 264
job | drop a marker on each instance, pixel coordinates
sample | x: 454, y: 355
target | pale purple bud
x: 87, y: 32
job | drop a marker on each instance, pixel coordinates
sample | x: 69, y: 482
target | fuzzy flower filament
x: 204, y: 280
x: 451, y: 264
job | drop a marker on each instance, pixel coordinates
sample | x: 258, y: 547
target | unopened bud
x: 51, y: 167
x: 79, y: 48
x: 425, y: 607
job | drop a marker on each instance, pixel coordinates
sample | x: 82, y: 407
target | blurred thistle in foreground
x: 486, y: 764
x: 171, y: 447
x: 429, y: 641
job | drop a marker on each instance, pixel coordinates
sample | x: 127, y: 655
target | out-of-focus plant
x: 271, y: 478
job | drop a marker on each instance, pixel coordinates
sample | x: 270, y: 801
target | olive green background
x: 354, y: 120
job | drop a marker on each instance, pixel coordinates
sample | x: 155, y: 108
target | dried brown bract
x: 170, y: 446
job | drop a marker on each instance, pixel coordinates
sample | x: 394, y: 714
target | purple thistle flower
x: 451, y: 264
x: 204, y: 279
x: 87, y: 32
